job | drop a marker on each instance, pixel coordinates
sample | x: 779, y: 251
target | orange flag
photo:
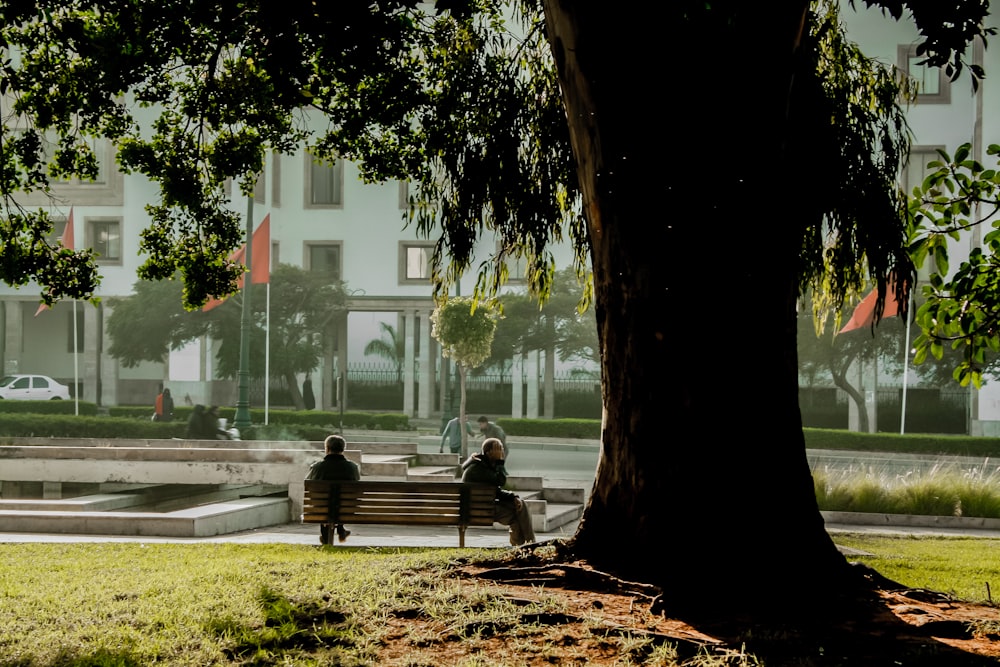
x: 260, y: 260
x: 864, y: 312
x: 67, y: 241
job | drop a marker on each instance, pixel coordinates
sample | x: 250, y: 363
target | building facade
x: 322, y: 217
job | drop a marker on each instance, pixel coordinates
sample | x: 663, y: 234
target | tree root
x: 568, y: 576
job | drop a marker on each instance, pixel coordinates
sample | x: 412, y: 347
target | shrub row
x: 71, y: 426
x: 135, y: 422
x: 47, y: 407
x: 587, y: 429
x: 959, y: 445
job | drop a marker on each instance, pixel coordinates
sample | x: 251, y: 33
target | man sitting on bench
x: 510, y: 510
x: 334, y: 466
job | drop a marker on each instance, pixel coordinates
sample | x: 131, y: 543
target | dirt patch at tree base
x: 593, y: 619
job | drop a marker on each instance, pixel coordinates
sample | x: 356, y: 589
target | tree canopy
x: 541, y: 135
x: 193, y: 93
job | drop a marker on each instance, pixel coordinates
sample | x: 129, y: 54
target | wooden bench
x: 399, y: 503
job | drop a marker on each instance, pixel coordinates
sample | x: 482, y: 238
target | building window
x: 101, y: 149
x: 324, y: 257
x: 916, y: 169
x: 259, y: 188
x: 324, y: 182
x: 415, y: 262
x: 275, y: 255
x: 404, y: 195
x: 104, y: 236
x: 105, y: 190
x: 933, y: 87
x: 275, y: 178
x: 914, y: 173
x: 58, y: 229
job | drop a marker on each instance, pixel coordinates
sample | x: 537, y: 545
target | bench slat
x: 399, y: 503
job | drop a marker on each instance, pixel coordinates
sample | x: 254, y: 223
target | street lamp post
x: 242, y: 420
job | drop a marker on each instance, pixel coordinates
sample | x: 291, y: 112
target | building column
x: 409, y: 326
x: 341, y: 399
x: 426, y: 377
x: 517, y: 386
x: 13, y: 336
x: 109, y: 365
x: 550, y: 383
x: 531, y: 370
x: 89, y: 329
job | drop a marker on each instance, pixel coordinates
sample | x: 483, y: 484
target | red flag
x: 260, y: 260
x: 67, y: 241
x: 864, y: 313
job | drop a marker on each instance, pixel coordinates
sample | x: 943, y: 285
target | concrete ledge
x: 202, y: 521
x: 565, y: 496
x: 98, y: 502
x: 914, y: 520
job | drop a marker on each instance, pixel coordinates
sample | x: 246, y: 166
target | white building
x: 322, y: 217
x: 946, y: 115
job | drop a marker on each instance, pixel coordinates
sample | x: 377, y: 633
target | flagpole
x: 76, y: 366
x: 906, y: 365
x: 267, y: 353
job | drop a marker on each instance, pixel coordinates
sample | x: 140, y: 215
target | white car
x: 32, y: 388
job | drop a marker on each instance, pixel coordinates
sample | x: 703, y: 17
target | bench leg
x: 461, y: 536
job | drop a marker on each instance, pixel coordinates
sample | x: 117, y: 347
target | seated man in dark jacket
x: 487, y: 468
x: 334, y: 466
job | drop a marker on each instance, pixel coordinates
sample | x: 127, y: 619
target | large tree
x: 698, y: 180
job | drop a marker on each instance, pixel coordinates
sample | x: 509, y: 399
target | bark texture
x: 678, y: 116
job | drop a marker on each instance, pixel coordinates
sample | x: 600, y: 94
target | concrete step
x: 202, y: 521
x: 427, y: 473
x: 556, y: 516
x: 386, y: 465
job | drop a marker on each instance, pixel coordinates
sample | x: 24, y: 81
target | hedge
x: 918, y: 443
x: 587, y: 429
x: 56, y: 407
x: 136, y: 423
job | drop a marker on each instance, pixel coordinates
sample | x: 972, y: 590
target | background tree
x: 389, y: 347
x: 151, y: 322
x: 517, y: 136
x: 560, y: 326
x: 829, y: 352
x: 465, y: 331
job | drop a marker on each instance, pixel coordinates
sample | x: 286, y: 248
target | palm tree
x: 390, y: 347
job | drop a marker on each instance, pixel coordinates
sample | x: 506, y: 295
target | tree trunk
x: 677, y: 124
x: 838, y: 371
x: 293, y: 391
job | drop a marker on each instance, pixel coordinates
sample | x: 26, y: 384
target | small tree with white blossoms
x: 465, y: 331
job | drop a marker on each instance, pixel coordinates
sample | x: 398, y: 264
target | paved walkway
x: 297, y: 533
x: 429, y: 536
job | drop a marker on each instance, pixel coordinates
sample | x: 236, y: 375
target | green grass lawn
x: 131, y: 604
x: 965, y: 567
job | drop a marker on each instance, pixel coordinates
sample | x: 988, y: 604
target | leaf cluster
x: 465, y: 329
x: 849, y: 125
x: 961, y: 308
x: 947, y: 29
x: 193, y: 93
